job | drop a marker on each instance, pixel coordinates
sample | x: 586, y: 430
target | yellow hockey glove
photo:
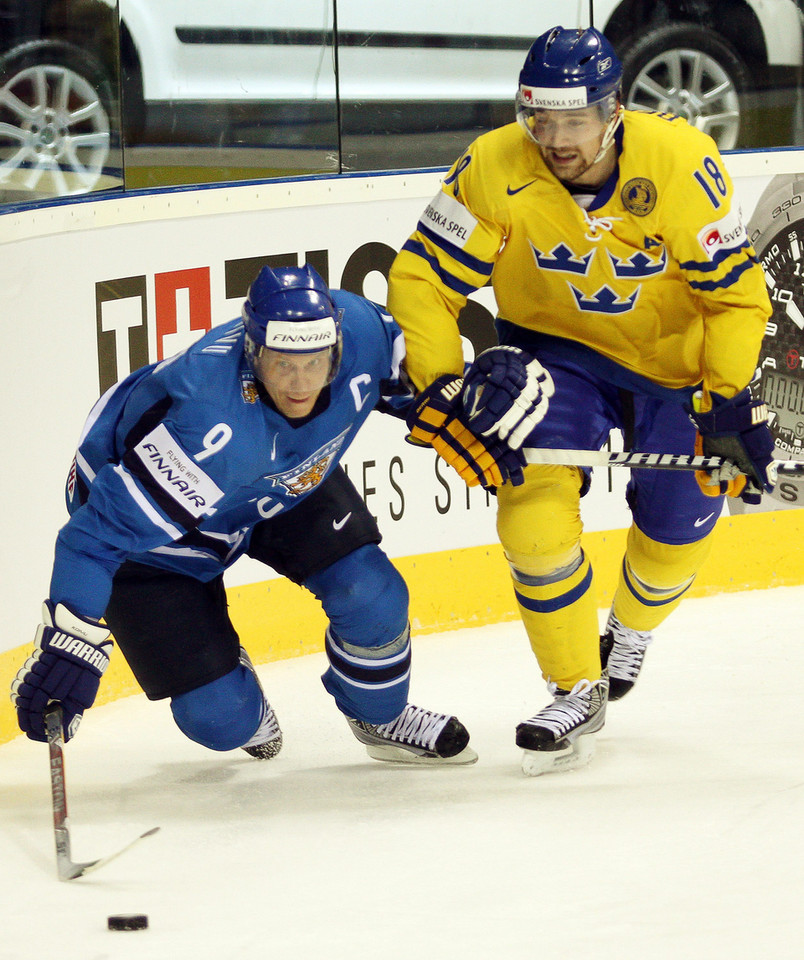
x: 438, y: 420
x: 736, y: 429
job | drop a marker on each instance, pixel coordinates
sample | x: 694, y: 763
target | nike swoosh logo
x: 511, y: 192
x: 702, y: 520
x: 338, y: 524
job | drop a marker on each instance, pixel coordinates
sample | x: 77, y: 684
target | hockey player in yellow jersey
x: 628, y: 298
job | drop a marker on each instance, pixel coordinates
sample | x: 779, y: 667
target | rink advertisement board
x: 94, y: 289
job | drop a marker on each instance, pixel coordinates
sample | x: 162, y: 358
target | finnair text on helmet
x: 324, y: 338
x: 301, y: 334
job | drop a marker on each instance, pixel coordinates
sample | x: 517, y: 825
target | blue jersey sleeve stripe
x: 170, y: 507
x: 706, y: 266
x: 212, y: 546
x: 724, y: 282
x: 448, y: 279
x: 147, y: 421
x: 483, y: 267
x: 145, y: 505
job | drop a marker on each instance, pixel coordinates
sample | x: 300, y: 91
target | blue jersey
x: 180, y: 460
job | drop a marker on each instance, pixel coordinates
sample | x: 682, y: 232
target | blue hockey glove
x: 69, y: 658
x: 506, y: 392
x: 736, y: 429
x: 437, y: 419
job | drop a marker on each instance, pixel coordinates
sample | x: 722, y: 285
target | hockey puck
x: 128, y: 921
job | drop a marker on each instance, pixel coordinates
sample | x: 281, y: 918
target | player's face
x: 570, y: 141
x: 293, y: 380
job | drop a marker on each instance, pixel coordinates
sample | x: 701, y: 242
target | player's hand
x: 70, y: 656
x: 738, y: 430
x: 437, y: 419
x: 506, y: 392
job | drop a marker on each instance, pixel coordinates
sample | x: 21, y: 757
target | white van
x: 686, y: 58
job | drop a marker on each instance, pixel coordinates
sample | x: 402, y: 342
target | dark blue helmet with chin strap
x: 290, y: 309
x: 570, y: 70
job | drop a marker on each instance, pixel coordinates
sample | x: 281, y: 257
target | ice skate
x: 622, y: 652
x: 416, y: 736
x: 559, y: 737
x: 267, y: 740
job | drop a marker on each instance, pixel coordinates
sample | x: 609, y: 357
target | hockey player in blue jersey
x: 230, y: 448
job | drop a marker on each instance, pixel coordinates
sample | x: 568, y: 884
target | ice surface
x: 683, y: 838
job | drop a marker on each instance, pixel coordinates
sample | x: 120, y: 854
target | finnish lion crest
x: 308, y: 474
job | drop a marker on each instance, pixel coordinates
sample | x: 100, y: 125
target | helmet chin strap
x: 608, y: 136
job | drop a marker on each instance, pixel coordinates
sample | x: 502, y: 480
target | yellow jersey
x: 656, y: 275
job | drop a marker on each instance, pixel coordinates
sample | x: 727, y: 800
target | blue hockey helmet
x: 570, y: 70
x: 566, y: 69
x: 291, y: 310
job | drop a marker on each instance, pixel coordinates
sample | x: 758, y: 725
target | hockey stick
x: 791, y: 470
x: 67, y: 868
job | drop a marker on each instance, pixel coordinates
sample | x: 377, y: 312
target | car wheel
x: 690, y: 71
x: 55, y: 120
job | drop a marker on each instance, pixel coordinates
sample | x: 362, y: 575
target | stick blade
x: 70, y: 871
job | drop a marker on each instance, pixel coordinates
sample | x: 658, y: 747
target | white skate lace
x: 628, y: 651
x: 414, y: 725
x: 268, y: 728
x: 566, y: 711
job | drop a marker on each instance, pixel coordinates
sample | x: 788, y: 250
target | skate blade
x: 535, y: 763
x: 389, y: 753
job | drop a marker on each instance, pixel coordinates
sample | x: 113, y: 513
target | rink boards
x: 95, y: 288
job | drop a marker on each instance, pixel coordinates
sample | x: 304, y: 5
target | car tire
x: 58, y: 120
x: 691, y: 71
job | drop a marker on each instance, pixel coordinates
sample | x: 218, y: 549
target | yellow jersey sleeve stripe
x: 729, y: 280
x: 449, y: 280
x: 475, y: 264
x: 708, y: 265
